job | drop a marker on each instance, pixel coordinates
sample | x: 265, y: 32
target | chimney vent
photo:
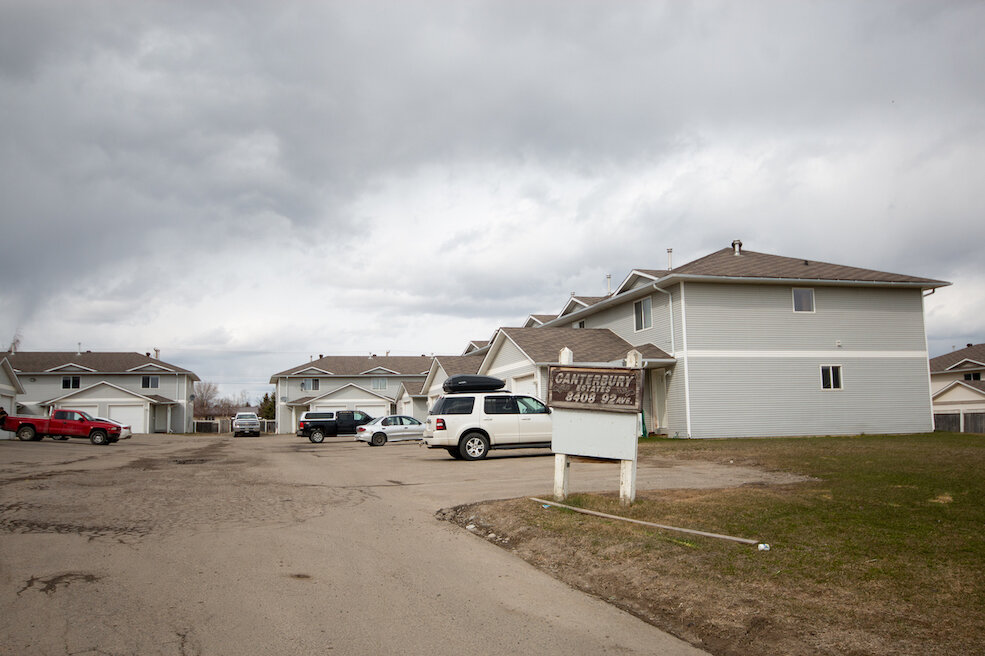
x: 737, y: 247
x: 320, y: 356
x: 608, y: 284
x: 157, y: 353
x: 79, y: 352
x: 670, y: 259
x: 970, y: 345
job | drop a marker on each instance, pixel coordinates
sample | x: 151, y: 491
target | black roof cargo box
x: 472, y: 383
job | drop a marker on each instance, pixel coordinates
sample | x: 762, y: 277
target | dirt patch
x: 185, y: 492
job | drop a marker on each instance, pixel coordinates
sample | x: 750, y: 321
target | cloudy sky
x: 245, y: 184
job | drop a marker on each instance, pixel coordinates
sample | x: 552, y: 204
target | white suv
x: 469, y: 424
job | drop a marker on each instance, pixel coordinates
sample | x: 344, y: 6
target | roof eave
x: 686, y: 277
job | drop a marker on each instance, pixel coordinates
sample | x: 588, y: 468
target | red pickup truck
x: 63, y: 423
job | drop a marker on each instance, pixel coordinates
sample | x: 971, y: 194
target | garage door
x: 132, y: 415
x: 327, y: 408
x: 525, y: 385
x: 93, y: 410
x: 373, y: 409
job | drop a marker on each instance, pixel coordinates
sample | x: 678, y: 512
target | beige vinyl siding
x: 748, y: 397
x: 507, y: 356
x: 620, y: 319
x: 721, y: 316
x: 676, y: 409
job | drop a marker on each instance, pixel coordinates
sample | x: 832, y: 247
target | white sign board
x: 611, y: 435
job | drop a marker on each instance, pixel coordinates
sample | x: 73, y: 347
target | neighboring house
x: 344, y: 382
x: 957, y: 382
x: 150, y: 395
x: 443, y: 366
x: 411, y: 401
x: 758, y: 345
x: 476, y: 345
x: 538, y: 320
x: 10, y: 387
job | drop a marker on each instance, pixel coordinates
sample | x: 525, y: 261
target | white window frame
x: 975, y: 375
x: 643, y: 320
x: 153, y: 382
x: 841, y: 377
x: 793, y: 299
x: 310, y: 384
x: 73, y: 382
x: 580, y: 324
x: 379, y: 383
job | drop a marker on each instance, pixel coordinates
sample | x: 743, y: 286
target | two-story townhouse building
x: 150, y: 395
x: 766, y: 345
x: 344, y: 382
x: 957, y: 382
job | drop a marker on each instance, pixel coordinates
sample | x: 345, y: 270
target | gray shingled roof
x: 101, y: 362
x: 587, y: 344
x: 725, y: 263
x: 459, y: 364
x: 944, y: 362
x: 354, y: 365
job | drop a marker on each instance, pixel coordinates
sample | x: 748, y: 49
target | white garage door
x: 93, y: 410
x: 373, y: 410
x: 132, y: 415
x: 525, y: 385
x: 327, y: 408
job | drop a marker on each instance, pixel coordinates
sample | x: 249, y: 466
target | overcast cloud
x: 247, y: 184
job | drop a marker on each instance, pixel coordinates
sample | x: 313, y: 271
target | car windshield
x: 376, y: 421
x: 86, y: 416
x: 246, y: 415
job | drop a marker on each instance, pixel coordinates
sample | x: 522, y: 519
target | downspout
x: 687, y: 374
x: 670, y: 312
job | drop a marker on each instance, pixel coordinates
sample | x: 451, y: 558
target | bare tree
x: 206, y: 396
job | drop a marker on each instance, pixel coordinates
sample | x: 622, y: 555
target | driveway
x: 273, y: 545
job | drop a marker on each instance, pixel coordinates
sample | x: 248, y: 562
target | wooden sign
x: 584, y: 388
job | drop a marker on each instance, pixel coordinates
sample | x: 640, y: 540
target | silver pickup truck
x: 246, y: 423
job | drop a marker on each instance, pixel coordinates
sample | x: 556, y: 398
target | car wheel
x: 25, y: 433
x: 378, y: 439
x: 453, y: 452
x: 98, y: 438
x: 474, y: 446
x: 317, y: 436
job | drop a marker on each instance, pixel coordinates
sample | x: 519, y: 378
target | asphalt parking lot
x: 273, y: 545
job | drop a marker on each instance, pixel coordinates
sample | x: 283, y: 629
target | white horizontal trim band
x: 835, y: 353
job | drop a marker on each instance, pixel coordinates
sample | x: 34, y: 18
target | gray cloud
x: 174, y: 162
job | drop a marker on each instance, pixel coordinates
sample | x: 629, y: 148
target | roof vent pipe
x: 157, y: 353
x: 670, y: 259
x: 608, y: 284
x: 737, y: 247
x: 79, y: 352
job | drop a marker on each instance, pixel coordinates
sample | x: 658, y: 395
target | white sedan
x: 124, y: 429
x: 392, y: 428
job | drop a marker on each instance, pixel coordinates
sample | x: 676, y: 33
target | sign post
x: 595, y: 411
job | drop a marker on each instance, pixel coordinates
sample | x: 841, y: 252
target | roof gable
x: 359, y: 365
x: 639, y: 276
x: 542, y: 345
x: 961, y: 390
x: 972, y: 355
x: 349, y: 391
x: 95, y: 388
x: 11, y: 376
x: 71, y: 367
x: 378, y: 370
x: 151, y: 368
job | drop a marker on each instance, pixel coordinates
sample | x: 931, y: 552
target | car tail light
x: 304, y: 425
x: 439, y: 424
x: 361, y: 429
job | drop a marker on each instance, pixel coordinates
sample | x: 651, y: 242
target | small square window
x: 803, y: 300
x: 379, y: 383
x: 580, y: 324
x: 150, y: 382
x: 71, y: 382
x: 831, y: 377
x: 643, y: 314
x: 973, y: 376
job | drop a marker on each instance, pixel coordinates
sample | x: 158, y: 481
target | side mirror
x: 82, y: 418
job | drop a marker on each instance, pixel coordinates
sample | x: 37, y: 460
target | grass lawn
x: 881, y: 552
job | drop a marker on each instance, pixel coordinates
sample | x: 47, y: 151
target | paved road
x: 273, y: 545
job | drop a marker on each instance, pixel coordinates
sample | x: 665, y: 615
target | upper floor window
x: 831, y: 377
x: 150, y: 382
x: 71, y: 382
x: 973, y: 376
x: 379, y: 383
x: 580, y: 324
x: 310, y: 384
x: 803, y: 300
x: 643, y: 313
